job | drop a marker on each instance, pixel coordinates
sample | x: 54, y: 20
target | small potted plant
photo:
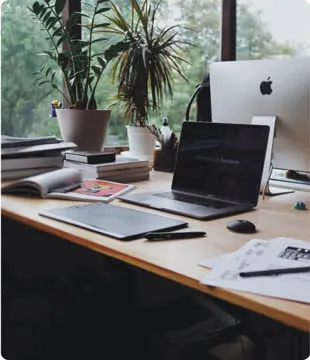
x: 144, y: 70
x: 74, y: 70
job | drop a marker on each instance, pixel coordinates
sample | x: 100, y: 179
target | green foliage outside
x: 25, y: 106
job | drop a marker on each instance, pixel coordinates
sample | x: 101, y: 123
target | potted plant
x: 74, y: 70
x: 144, y: 70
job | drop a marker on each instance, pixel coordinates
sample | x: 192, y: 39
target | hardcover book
x: 67, y: 184
x: 32, y: 162
x: 23, y: 151
x: 119, y: 163
x: 90, y: 157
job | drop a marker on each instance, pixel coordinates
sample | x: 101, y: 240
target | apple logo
x: 265, y: 87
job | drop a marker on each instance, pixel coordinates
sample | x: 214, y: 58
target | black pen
x: 270, y: 272
x: 158, y: 236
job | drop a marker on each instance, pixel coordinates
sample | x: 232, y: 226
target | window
x: 194, y: 15
x: 273, y: 29
x: 24, y: 105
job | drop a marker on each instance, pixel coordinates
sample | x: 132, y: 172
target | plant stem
x: 89, y: 59
x: 57, y: 53
x: 94, y: 89
x: 68, y: 39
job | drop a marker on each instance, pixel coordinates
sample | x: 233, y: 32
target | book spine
x: 90, y: 159
x: 31, y: 163
x: 124, y: 178
x: 105, y: 167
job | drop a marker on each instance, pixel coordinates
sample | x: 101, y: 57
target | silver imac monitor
x: 277, y: 87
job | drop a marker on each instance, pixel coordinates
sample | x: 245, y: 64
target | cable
x: 198, y: 87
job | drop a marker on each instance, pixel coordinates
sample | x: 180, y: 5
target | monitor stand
x: 275, y: 191
x: 290, y: 179
x: 265, y: 188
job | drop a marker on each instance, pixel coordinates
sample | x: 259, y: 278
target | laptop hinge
x: 207, y: 196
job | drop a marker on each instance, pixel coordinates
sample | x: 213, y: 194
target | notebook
x: 112, y: 220
x: 217, y: 173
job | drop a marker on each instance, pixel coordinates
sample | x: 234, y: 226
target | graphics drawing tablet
x: 112, y: 220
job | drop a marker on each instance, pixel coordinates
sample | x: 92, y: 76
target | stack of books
x: 122, y: 169
x: 23, y: 157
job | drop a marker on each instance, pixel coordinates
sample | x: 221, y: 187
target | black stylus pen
x: 270, y: 272
x: 157, y: 236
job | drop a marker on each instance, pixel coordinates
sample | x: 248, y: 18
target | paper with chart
x: 262, y: 255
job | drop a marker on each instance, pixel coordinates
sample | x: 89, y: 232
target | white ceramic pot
x: 141, y: 142
x: 86, y: 128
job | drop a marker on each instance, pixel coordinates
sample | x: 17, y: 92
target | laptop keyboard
x: 217, y: 204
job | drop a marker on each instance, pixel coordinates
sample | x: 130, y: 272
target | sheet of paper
x: 210, y: 263
x: 261, y: 255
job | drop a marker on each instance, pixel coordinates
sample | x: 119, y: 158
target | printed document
x: 263, y: 255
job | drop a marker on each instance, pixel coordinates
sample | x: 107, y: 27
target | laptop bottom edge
x: 185, y: 209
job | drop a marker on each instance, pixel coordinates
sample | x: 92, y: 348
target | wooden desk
x: 177, y: 260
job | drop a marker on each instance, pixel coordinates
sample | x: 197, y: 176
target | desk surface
x: 177, y: 260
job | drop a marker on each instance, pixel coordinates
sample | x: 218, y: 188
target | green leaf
x: 88, y: 4
x: 102, y: 10
x: 46, y: 16
x: 96, y: 40
x: 97, y: 70
x: 58, y: 32
x: 60, y: 40
x: 43, y: 11
x: 97, y: 54
x: 52, y: 23
x: 82, y: 43
x: 48, y: 53
x: 43, y: 82
x: 36, y: 8
x: 41, y: 8
x: 47, y: 72
x: 59, y: 6
x: 101, y: 25
x: 62, y: 60
x: 114, y: 50
x: 53, y: 76
x: 101, y: 62
x: 83, y: 15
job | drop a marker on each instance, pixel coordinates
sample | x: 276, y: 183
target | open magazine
x: 67, y: 184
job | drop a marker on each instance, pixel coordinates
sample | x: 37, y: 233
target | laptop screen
x: 221, y: 160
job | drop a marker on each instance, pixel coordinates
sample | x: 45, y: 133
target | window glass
x: 273, y: 29
x: 200, y: 26
x: 25, y: 105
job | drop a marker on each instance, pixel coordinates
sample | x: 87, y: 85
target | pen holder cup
x: 164, y: 160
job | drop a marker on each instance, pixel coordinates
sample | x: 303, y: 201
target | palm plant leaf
x: 146, y: 70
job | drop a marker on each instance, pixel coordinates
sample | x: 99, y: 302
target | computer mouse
x: 241, y: 226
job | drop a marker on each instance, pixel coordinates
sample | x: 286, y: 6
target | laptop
x: 217, y: 173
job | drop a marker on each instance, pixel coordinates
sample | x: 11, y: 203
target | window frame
x: 228, y: 26
x: 228, y: 30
